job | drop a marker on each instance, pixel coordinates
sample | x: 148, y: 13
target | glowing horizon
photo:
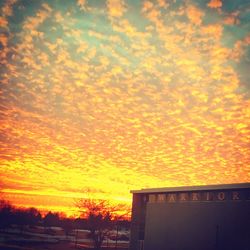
x: 110, y: 96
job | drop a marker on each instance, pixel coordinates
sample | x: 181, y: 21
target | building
x: 213, y: 217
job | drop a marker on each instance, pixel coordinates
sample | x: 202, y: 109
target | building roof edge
x: 194, y: 188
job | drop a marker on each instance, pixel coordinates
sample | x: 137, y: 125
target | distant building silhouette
x: 213, y: 217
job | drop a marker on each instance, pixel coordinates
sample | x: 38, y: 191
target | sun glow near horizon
x: 110, y: 96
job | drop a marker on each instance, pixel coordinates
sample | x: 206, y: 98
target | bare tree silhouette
x: 101, y: 218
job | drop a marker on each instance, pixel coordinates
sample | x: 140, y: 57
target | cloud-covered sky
x: 106, y: 96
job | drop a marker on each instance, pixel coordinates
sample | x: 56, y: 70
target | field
x: 38, y: 238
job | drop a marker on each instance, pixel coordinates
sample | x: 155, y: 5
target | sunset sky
x: 100, y: 97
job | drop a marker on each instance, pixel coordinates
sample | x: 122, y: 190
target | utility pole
x: 76, y: 238
x: 116, y: 236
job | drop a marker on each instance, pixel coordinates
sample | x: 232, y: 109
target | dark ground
x: 57, y: 246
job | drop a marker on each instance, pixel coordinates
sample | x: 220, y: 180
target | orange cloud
x: 82, y: 4
x: 3, y: 22
x: 33, y: 22
x: 7, y: 7
x: 3, y: 40
x: 239, y: 48
x: 116, y: 8
x: 215, y: 4
x: 232, y: 19
x: 194, y: 15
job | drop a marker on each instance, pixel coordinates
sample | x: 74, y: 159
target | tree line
x: 11, y: 215
x: 97, y: 216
